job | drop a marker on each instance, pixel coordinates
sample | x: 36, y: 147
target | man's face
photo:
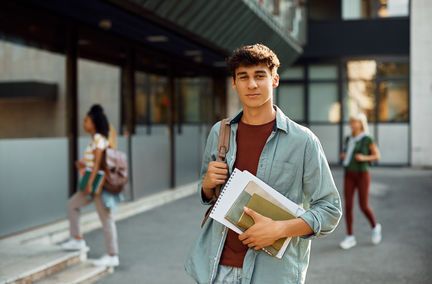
x: 254, y: 85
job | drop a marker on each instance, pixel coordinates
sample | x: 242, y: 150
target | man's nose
x: 252, y: 84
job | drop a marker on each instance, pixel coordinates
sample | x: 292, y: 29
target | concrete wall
x: 421, y: 82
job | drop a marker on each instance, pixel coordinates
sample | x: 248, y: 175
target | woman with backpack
x: 359, y: 151
x: 96, y: 124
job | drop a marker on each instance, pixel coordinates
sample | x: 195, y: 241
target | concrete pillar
x: 421, y: 82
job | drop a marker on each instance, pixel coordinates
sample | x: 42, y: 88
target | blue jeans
x: 228, y: 275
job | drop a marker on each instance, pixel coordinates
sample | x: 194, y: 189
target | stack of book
x: 246, y: 190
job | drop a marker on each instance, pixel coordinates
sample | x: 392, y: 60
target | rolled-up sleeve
x: 321, y: 195
x: 207, y: 158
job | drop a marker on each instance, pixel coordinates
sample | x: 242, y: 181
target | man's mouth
x: 252, y: 95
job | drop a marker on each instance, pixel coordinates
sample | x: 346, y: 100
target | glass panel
x: 361, y: 69
x: 32, y: 92
x: 323, y: 102
x: 351, y: 9
x: 393, y: 8
x: 292, y: 73
x: 393, y: 105
x: 291, y: 101
x: 190, y: 93
x: 393, y: 142
x: 366, y: 9
x: 99, y: 83
x: 142, y: 92
x: 159, y: 99
x: 359, y: 97
x: 393, y: 69
x: 322, y: 72
x: 360, y: 88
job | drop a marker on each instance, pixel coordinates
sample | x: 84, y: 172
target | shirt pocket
x: 283, y: 178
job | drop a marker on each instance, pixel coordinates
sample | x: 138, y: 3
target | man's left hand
x: 263, y: 233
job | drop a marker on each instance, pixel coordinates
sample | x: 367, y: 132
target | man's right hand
x: 217, y: 174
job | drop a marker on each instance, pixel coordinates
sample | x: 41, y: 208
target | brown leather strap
x: 223, y: 146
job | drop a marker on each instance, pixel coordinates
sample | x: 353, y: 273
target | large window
x: 377, y: 88
x: 367, y: 9
x: 324, y: 104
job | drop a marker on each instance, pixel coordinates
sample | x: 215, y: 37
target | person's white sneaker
x: 376, y: 234
x: 348, y: 242
x: 107, y: 260
x: 74, y: 244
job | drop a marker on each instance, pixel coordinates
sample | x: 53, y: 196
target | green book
x: 266, y: 208
x: 236, y: 210
x: 97, y: 183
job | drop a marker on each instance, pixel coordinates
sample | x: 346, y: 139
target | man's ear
x: 233, y: 83
x: 276, y: 81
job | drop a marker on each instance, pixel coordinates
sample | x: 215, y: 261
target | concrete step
x: 29, y: 263
x: 82, y: 273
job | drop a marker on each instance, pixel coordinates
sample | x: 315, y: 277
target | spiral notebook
x: 234, y: 191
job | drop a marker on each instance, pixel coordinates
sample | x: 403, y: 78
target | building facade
x: 158, y: 69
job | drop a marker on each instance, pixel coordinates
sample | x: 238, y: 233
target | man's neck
x: 260, y: 115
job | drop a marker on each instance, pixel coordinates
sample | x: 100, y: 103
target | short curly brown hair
x: 250, y: 55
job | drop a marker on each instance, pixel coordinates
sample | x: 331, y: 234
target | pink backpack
x: 116, y: 171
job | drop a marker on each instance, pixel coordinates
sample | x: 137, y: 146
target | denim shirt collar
x: 281, y: 119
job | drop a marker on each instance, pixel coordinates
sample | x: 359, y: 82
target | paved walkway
x: 154, y: 244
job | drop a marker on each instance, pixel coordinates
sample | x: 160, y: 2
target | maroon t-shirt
x: 250, y: 143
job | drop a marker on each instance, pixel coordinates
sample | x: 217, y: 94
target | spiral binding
x: 223, y: 190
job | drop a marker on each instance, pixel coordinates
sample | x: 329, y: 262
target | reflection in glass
x: 190, y: 93
x: 393, y: 104
x: 159, y: 99
x: 361, y: 98
x: 142, y: 90
x: 360, y: 88
x: 369, y: 9
x: 393, y: 69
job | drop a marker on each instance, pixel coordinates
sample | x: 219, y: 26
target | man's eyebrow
x: 261, y: 72
x: 241, y: 73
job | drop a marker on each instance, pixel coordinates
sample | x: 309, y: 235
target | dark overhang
x: 222, y: 25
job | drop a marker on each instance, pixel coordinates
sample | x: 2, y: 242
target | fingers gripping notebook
x: 238, y: 192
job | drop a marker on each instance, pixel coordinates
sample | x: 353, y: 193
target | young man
x: 283, y: 154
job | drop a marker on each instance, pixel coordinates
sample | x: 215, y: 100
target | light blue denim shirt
x: 292, y: 162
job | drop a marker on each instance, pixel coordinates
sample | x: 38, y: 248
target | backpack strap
x: 223, y: 148
x: 223, y: 145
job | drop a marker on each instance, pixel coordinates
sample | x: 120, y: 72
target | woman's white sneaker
x: 107, y: 260
x: 348, y: 242
x: 74, y: 244
x: 376, y: 234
